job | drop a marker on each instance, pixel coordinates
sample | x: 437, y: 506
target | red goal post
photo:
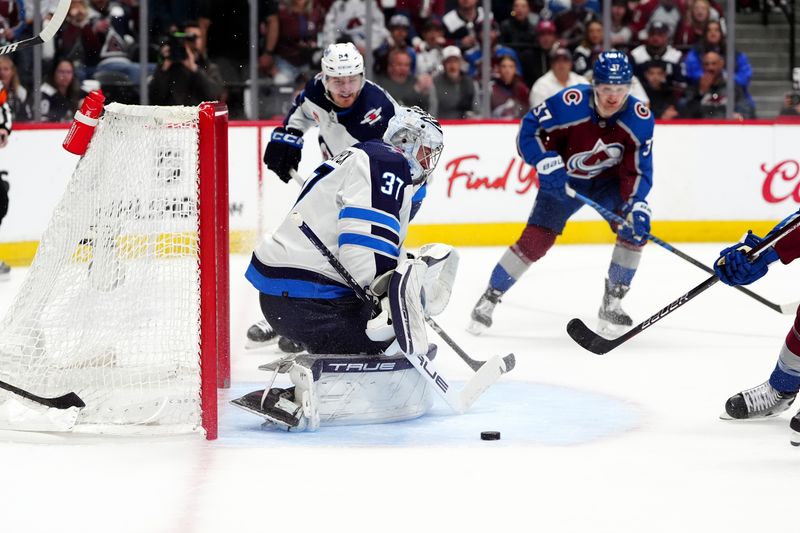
x: 126, y: 303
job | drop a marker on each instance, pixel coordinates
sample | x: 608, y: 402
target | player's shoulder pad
x: 314, y: 91
x: 638, y: 118
x: 376, y: 95
x: 569, y: 105
x: 385, y: 156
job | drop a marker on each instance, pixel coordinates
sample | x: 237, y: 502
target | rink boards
x: 712, y: 181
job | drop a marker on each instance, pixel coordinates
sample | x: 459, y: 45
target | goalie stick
x: 786, y: 309
x: 486, y: 372
x: 66, y: 401
x: 589, y: 340
x: 509, y: 360
x: 45, y: 35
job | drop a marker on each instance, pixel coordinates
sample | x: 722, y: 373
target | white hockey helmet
x: 342, y: 59
x: 419, y: 136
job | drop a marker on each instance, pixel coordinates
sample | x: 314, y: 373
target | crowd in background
x: 424, y: 52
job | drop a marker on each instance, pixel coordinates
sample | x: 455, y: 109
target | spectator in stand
x: 707, y: 97
x: 518, y: 32
x: 168, y: 16
x: 12, y: 20
x: 462, y: 25
x: 429, y: 48
x: 657, y: 47
x: 61, y: 94
x: 455, y: 93
x: 179, y: 80
x: 649, y: 11
x: 196, y: 44
x: 714, y: 40
x: 571, y: 23
x: 557, y: 78
x: 539, y: 63
x: 24, y: 58
x: 475, y: 57
x: 300, y: 22
x: 556, y: 7
x: 226, y: 26
x: 621, y: 33
x: 791, y: 104
x: 114, y: 23
x: 509, y: 95
x: 78, y: 40
x: 591, y: 46
x: 347, y: 21
x: 663, y: 98
x: 17, y: 94
x: 693, y: 25
x: 419, y: 11
x: 399, y: 27
x: 401, y: 84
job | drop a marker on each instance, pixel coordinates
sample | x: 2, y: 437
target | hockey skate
x: 794, y: 426
x: 613, y: 321
x: 289, y: 346
x: 762, y: 401
x: 259, y: 335
x: 5, y: 271
x: 481, y: 317
x: 276, y: 406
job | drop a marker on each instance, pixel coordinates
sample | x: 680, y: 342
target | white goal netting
x: 111, y: 305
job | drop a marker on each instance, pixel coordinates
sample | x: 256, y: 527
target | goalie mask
x: 342, y: 73
x: 419, y: 136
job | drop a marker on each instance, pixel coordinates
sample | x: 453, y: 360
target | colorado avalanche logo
x: 641, y: 110
x: 372, y: 116
x: 572, y: 97
x: 586, y: 165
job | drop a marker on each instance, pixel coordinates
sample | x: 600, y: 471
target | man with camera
x: 179, y: 80
x: 791, y: 100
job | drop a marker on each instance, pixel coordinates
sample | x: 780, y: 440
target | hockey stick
x: 593, y: 342
x: 509, y: 360
x: 45, y: 35
x: 61, y: 402
x: 486, y: 373
x: 786, y: 309
x: 297, y: 177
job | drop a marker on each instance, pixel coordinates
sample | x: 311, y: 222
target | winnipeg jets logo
x: 372, y: 116
x: 589, y: 164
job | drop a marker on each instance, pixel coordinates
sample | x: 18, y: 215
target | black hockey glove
x: 283, y: 152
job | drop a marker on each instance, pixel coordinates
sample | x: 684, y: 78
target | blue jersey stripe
x: 294, y: 288
x: 368, y: 242
x: 370, y: 216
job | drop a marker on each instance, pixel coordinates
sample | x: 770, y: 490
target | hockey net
x: 125, y: 303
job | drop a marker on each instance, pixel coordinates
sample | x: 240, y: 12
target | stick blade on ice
x: 588, y: 339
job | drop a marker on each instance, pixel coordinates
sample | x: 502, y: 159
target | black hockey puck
x: 490, y: 435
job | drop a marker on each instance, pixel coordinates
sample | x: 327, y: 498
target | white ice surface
x: 626, y: 442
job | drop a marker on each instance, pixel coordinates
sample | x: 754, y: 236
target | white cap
x: 450, y: 51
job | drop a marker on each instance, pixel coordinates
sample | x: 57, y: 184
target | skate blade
x: 476, y: 328
x: 610, y: 330
x: 256, y: 345
x: 794, y: 438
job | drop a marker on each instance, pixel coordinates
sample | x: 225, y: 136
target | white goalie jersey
x: 359, y: 204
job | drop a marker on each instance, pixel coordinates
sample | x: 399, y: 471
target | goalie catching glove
x: 733, y: 267
x: 416, y: 289
x: 283, y: 152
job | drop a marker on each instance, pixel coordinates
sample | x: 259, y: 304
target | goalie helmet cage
x: 126, y: 302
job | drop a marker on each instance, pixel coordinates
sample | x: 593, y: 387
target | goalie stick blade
x: 60, y: 402
x: 588, y: 339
